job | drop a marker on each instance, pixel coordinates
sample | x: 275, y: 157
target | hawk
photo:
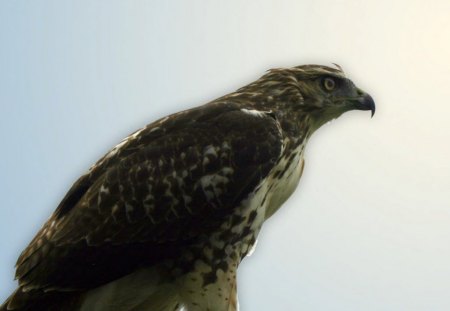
x: 162, y: 221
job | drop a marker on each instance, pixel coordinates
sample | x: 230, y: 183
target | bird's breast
x: 284, y: 179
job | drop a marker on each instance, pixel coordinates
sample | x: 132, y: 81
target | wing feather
x: 172, y: 182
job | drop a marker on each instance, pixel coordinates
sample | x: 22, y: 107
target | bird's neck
x: 297, y: 127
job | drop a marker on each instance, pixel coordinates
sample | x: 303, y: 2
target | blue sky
x: 368, y: 228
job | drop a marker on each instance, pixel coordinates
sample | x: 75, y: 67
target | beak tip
x: 367, y: 103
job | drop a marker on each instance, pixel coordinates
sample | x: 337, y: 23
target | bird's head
x: 327, y: 93
x: 322, y: 93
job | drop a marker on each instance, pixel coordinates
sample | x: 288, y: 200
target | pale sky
x: 369, y: 226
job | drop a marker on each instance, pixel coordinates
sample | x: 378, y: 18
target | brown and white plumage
x: 162, y: 221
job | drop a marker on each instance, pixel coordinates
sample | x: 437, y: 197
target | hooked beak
x: 364, y: 102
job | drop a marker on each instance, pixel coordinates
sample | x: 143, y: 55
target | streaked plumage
x: 162, y: 221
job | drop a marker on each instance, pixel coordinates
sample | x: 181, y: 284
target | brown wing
x: 145, y: 202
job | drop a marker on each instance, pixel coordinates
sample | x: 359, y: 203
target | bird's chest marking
x: 284, y: 179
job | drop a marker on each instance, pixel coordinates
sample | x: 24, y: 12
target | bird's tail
x: 37, y: 300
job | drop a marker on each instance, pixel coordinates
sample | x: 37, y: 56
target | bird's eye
x: 329, y: 84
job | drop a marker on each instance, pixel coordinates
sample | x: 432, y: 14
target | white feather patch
x: 255, y: 112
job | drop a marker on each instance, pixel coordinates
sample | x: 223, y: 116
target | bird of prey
x: 162, y: 221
